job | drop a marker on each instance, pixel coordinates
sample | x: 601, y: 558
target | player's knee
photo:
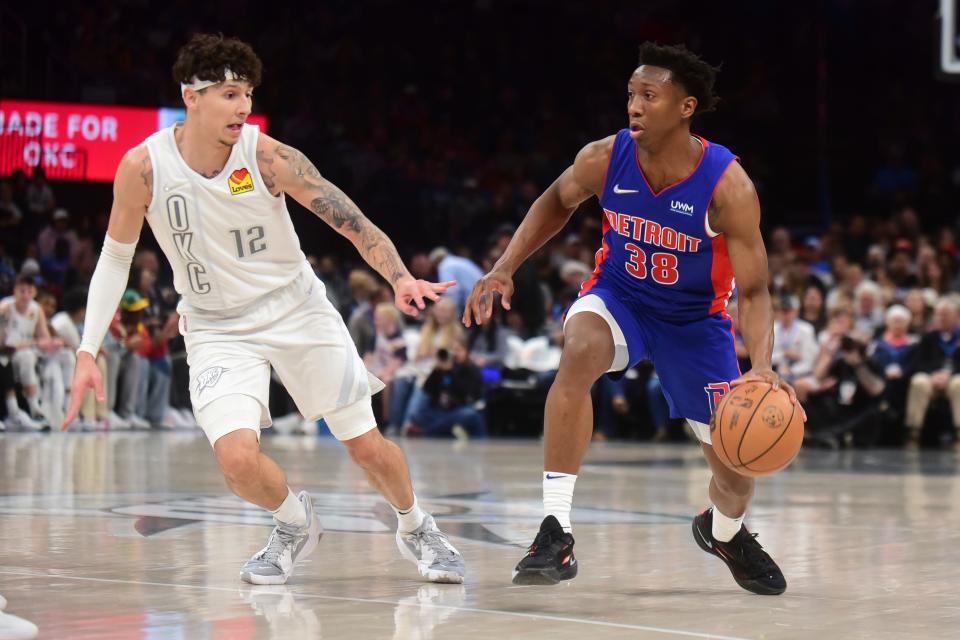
x: 954, y: 385
x: 367, y: 450
x: 921, y: 382
x: 239, y: 462
x: 585, y: 357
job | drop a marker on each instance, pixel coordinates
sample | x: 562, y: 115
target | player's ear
x: 688, y: 106
x: 190, y: 98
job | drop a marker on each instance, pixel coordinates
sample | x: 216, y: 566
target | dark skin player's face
x: 656, y: 105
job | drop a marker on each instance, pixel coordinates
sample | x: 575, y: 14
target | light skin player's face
x: 655, y: 104
x: 24, y: 294
x: 222, y: 109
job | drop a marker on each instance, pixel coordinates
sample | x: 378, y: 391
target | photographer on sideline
x: 453, y: 387
x: 846, y: 405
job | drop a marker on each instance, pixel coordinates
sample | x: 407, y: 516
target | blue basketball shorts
x: 695, y: 361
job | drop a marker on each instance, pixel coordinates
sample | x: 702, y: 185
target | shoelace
x: 546, y: 540
x: 753, y: 552
x: 436, y: 540
x: 279, y: 540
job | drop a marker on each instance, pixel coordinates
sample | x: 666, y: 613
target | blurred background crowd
x: 444, y: 124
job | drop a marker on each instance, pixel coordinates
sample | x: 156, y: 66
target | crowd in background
x: 859, y: 203
x: 867, y: 330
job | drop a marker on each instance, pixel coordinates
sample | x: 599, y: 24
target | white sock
x: 724, y: 527
x: 291, y: 511
x: 13, y: 409
x: 558, y: 497
x: 410, y: 519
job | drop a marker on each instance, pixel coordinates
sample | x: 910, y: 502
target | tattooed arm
x: 286, y: 170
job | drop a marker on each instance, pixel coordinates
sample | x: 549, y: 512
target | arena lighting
x: 77, y: 141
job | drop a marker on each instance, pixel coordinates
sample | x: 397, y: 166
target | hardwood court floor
x: 133, y: 535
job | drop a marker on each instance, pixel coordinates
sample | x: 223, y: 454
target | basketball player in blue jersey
x: 212, y: 190
x: 681, y: 219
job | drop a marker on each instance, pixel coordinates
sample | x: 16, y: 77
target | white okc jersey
x: 20, y: 327
x: 228, y: 240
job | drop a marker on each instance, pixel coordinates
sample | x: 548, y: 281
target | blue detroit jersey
x: 657, y: 248
x: 665, y: 277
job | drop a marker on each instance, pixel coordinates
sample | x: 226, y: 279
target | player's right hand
x: 85, y: 377
x: 479, y: 305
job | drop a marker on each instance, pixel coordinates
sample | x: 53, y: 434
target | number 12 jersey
x: 227, y: 238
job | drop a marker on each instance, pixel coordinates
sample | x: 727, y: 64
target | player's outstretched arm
x: 546, y: 217
x: 735, y: 212
x: 286, y: 170
x: 132, y: 192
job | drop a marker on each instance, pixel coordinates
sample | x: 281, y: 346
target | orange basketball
x: 756, y: 430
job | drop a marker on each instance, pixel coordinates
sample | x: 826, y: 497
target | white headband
x: 196, y: 84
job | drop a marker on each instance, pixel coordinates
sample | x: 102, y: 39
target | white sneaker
x: 86, y: 425
x: 23, y: 420
x: 274, y: 563
x: 136, y: 422
x: 116, y: 422
x: 14, y: 628
x: 187, y: 418
x: 288, y: 424
x: 3, y: 427
x: 174, y: 418
x: 427, y: 547
x: 306, y: 428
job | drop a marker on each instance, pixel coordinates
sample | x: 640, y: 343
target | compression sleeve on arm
x: 106, y: 287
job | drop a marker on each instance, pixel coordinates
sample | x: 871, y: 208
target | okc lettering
x: 179, y: 221
x: 651, y: 232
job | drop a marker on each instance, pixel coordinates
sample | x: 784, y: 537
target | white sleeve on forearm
x: 106, y: 288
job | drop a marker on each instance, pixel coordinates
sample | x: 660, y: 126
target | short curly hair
x: 687, y: 69
x: 207, y: 55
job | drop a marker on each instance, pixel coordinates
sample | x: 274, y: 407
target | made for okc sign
x: 77, y: 141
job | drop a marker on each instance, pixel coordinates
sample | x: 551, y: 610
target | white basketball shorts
x: 301, y: 335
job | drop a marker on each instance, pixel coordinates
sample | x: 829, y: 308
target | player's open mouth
x: 635, y: 127
x: 235, y: 128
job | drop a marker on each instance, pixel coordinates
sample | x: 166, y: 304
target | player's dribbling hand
x: 772, y: 378
x: 85, y: 377
x: 479, y: 305
x: 409, y: 294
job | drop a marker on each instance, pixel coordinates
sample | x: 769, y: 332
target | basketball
x: 756, y: 430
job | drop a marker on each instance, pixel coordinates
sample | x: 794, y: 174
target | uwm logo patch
x: 240, y: 181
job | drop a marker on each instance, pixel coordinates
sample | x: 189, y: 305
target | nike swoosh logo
x: 617, y: 189
x: 550, y: 477
x: 707, y: 542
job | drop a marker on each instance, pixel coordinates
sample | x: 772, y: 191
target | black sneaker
x: 550, y: 558
x: 751, y: 566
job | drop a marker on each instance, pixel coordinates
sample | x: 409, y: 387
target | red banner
x: 77, y: 141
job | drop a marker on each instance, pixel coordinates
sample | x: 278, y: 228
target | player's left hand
x: 409, y: 294
x: 772, y: 378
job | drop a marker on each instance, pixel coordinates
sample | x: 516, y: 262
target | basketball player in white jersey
x: 212, y: 190
x: 23, y: 327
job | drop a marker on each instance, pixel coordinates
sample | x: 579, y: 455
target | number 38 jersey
x: 228, y: 240
x: 658, y: 249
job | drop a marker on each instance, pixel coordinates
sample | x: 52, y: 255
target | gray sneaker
x: 429, y: 549
x: 274, y: 563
